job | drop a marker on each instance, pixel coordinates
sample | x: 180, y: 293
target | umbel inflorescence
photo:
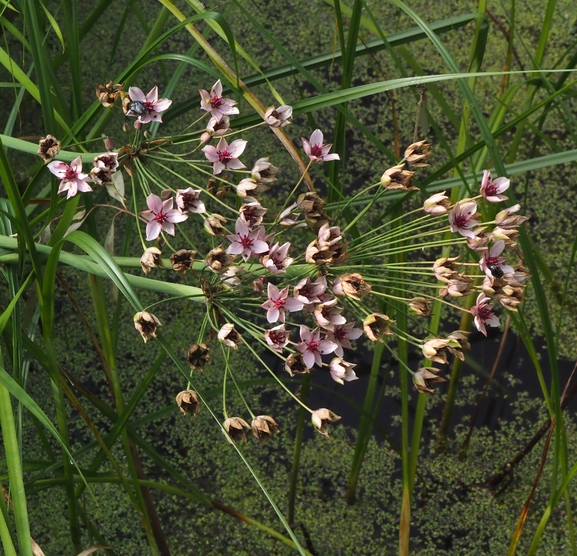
x: 309, y: 305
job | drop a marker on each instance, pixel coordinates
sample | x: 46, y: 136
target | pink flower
x: 461, y: 218
x: 277, y: 259
x: 188, y: 200
x: 161, y: 217
x: 246, y: 242
x: 483, y: 313
x: 224, y: 156
x: 491, y: 260
x: 73, y: 180
x: 215, y: 104
x: 329, y: 235
x: 277, y: 338
x: 312, y: 347
x: 218, y: 127
x: 341, y: 335
x: 316, y: 150
x: 278, y: 302
x: 278, y: 117
x: 437, y: 204
x: 252, y: 213
x: 328, y: 314
x: 147, y: 107
x: 341, y: 370
x: 309, y: 292
x: 492, y: 190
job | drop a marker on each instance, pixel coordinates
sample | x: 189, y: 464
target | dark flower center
x: 161, y: 217
x: 224, y: 156
x: 461, y: 221
x: 316, y: 150
x: 278, y: 303
x: 484, y: 312
x: 276, y: 337
x: 216, y: 102
x: 313, y: 345
x: 340, y: 333
x: 245, y: 241
x: 491, y: 191
x: 188, y: 200
x: 70, y: 174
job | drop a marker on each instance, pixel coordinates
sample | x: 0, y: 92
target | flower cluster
x: 73, y: 180
x: 266, y: 283
x: 501, y: 281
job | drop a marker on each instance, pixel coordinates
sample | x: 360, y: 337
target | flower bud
x: 425, y: 377
x: 107, y: 94
x: 235, y: 427
x: 214, y: 225
x: 146, y: 323
x: 295, y: 365
x: 420, y: 306
x: 506, y: 219
x: 182, y: 260
x: 341, y: 370
x: 198, y: 356
x: 458, y: 341
x: 189, y: 402
x: 354, y: 285
x: 437, y: 204
x: 263, y: 427
x: 417, y: 153
x: 396, y: 178
x: 435, y: 349
x: 229, y: 336
x: 278, y: 117
x: 150, y: 259
x: 108, y: 143
x: 263, y: 172
x: 458, y: 286
x: 321, y: 419
x: 376, y: 326
x: 48, y: 148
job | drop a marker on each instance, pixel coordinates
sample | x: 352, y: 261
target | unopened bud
x: 108, y: 144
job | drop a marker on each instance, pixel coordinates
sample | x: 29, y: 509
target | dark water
x: 515, y: 373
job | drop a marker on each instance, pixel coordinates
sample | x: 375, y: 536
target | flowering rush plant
x: 309, y: 303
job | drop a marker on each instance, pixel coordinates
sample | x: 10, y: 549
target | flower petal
x: 316, y: 137
x: 154, y: 203
x: 152, y: 96
x: 216, y: 89
x: 162, y: 105
x: 237, y: 147
x: 58, y: 168
x: 211, y: 153
x: 153, y: 230
x: 136, y: 94
x: 235, y: 164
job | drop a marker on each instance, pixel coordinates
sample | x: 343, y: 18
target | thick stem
x: 12, y: 453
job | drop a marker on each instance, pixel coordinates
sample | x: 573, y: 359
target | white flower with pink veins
x: 245, y: 241
x: 73, y: 179
x: 161, y: 217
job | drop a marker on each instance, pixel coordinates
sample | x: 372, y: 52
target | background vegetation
x: 453, y: 508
